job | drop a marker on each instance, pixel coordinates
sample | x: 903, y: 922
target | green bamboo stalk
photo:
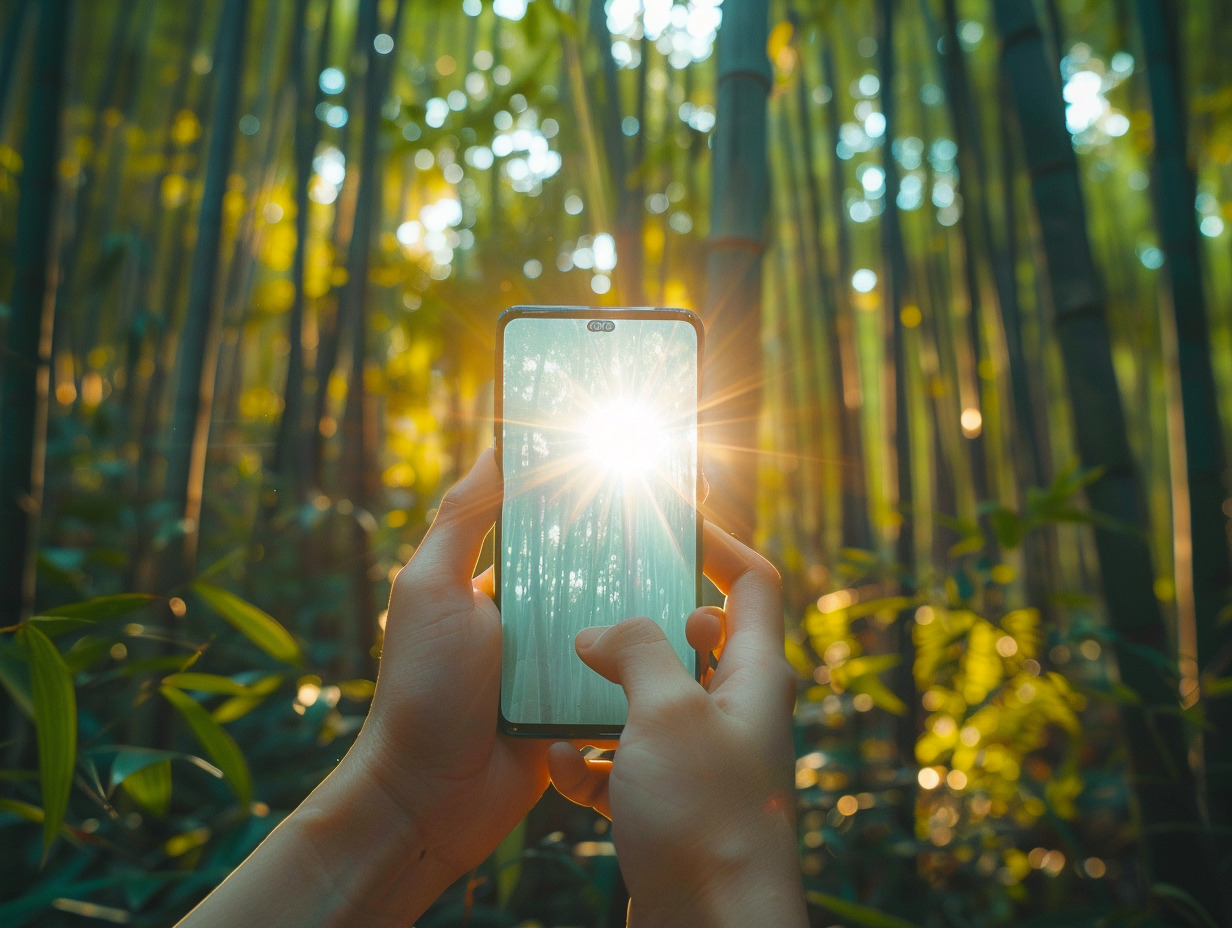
x: 287, y: 464
x: 630, y: 245
x: 605, y: 103
x: 854, y: 527
x: 83, y: 245
x: 359, y: 425
x: 798, y: 509
x: 1174, y: 189
x: 10, y: 51
x: 857, y: 525
x: 738, y: 206
x: 23, y: 400
x: 272, y: 105
x: 1176, y: 845
x: 895, y: 286
x: 162, y: 285
x: 963, y: 121
x: 188, y: 433
x: 100, y: 324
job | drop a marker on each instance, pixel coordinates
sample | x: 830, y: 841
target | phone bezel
x: 578, y: 732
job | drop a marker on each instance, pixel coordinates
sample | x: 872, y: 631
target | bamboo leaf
x: 507, y: 860
x: 969, y: 545
x: 886, y: 604
x: 132, y: 760
x: 55, y: 721
x: 218, y: 744
x: 53, y: 625
x: 257, y: 626
x: 235, y: 708
x: 238, y: 706
x: 207, y: 683
x: 1176, y: 894
x: 357, y: 690
x: 129, y: 760
x: 181, y: 844
x: 882, y: 696
x: 1216, y: 687
x: 102, y: 607
x: 85, y: 651
x: 22, y: 810
x: 67, y: 618
x: 150, y: 787
x: 797, y: 657
x: 856, y: 913
x: 1007, y: 526
x: 874, y: 664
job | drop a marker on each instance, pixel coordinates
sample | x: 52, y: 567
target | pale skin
x: 699, y: 790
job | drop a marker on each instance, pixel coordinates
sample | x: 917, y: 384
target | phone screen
x: 598, y: 447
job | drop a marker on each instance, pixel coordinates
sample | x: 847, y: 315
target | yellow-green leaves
x: 857, y: 913
x: 55, y: 722
x: 244, y: 696
x: 145, y: 774
x: 257, y: 626
x: 150, y: 787
x: 22, y: 810
x: 74, y: 615
x: 828, y: 626
x: 103, y: 607
x: 219, y: 745
x: 358, y: 690
x: 860, y: 675
x: 210, y: 683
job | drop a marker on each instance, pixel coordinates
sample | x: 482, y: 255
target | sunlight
x: 624, y: 437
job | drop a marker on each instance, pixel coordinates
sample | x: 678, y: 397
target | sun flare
x: 624, y: 437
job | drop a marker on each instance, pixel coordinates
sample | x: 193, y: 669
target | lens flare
x: 624, y: 437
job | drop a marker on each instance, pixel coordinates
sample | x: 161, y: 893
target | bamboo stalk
x: 1205, y: 460
x: 1175, y: 841
x: 739, y: 202
x: 10, y: 51
x: 27, y: 361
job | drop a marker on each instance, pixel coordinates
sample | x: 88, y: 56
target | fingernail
x: 588, y: 636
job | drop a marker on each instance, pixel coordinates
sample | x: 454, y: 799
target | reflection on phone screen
x: 599, y: 454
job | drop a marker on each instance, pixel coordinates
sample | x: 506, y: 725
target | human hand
x: 428, y: 789
x: 700, y: 788
x: 430, y: 741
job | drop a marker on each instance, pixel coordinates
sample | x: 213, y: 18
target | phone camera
x: 601, y: 325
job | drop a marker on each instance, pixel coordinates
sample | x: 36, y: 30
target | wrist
x: 758, y: 895
x: 375, y: 857
x: 748, y: 875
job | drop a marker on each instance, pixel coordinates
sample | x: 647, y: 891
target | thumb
x: 440, y: 572
x: 637, y: 656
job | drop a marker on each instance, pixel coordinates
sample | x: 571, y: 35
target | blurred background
x: 964, y: 266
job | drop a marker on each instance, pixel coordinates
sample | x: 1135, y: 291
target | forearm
x: 347, y: 856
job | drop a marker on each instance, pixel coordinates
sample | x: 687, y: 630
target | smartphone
x: 596, y: 436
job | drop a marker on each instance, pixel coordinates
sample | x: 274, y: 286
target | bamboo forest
x: 964, y: 270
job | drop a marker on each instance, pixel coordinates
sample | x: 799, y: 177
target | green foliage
x: 257, y: 626
x: 218, y: 744
x: 193, y: 736
x: 999, y: 753
x: 55, y: 722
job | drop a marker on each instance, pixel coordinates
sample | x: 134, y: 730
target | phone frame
x: 565, y: 731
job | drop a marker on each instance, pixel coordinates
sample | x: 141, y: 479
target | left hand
x: 430, y: 740
x: 428, y: 789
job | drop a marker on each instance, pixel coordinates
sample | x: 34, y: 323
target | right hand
x: 700, y: 791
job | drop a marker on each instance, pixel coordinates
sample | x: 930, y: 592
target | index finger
x: 442, y: 567
x: 751, y: 584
